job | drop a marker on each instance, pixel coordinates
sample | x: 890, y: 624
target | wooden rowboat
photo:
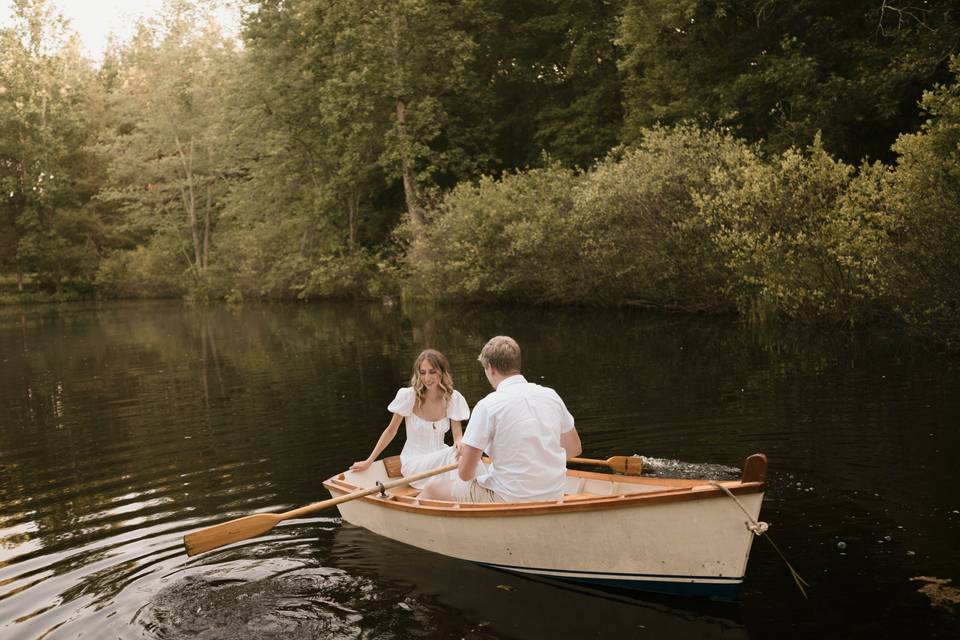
x: 666, y: 535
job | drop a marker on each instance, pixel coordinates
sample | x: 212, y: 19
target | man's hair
x: 502, y: 353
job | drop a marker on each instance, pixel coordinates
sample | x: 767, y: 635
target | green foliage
x: 691, y: 219
x: 781, y: 71
x: 512, y: 238
x: 795, y: 244
x: 44, y: 83
x: 552, y: 65
x: 352, y: 148
x: 351, y: 275
x: 153, y: 270
x: 923, y: 196
x: 626, y: 231
x: 642, y: 240
x: 164, y: 146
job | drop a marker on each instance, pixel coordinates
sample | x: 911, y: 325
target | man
x: 525, y: 429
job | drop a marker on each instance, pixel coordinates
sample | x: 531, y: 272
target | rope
x: 760, y: 529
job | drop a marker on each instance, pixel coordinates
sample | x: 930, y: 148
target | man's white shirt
x: 519, y: 426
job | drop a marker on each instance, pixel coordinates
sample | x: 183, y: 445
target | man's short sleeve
x: 479, y: 431
x: 566, y: 419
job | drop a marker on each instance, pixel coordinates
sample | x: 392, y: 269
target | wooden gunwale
x: 683, y: 491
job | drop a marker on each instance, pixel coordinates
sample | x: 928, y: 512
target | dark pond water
x: 125, y: 426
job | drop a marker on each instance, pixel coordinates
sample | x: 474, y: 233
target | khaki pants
x: 470, y: 491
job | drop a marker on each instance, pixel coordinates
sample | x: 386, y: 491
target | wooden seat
x: 392, y: 466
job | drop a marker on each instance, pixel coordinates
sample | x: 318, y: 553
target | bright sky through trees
x: 94, y: 20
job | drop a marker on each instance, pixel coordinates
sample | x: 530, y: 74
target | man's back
x: 519, y: 425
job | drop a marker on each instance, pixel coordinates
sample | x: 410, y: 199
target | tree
x: 783, y: 71
x: 923, y: 195
x: 554, y: 70
x: 382, y: 89
x: 43, y: 79
x: 165, y: 165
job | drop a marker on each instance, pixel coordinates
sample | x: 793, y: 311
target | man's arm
x: 469, y: 457
x: 570, y: 441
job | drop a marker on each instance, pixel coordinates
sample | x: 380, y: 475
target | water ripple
x: 124, y: 427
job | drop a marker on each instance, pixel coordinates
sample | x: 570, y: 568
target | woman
x: 430, y: 407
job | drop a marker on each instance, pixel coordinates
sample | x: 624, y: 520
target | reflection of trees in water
x: 224, y: 410
x: 706, y: 389
x: 510, y: 605
x: 103, y: 402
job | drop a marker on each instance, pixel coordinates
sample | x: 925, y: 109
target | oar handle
x: 359, y: 493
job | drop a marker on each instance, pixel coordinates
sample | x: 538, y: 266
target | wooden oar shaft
x: 259, y: 523
x: 359, y: 493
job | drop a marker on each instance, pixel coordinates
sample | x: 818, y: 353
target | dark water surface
x: 125, y: 426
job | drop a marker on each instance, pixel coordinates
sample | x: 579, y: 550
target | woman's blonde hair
x: 440, y: 363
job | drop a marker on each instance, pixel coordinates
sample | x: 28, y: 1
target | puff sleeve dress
x: 424, y: 448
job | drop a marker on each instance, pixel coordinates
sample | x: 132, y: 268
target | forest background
x: 794, y: 161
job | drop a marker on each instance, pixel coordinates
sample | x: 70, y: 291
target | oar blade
x: 627, y: 465
x: 229, y: 532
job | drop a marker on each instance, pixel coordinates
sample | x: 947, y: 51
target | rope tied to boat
x: 759, y: 528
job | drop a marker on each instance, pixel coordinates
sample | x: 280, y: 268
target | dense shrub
x: 794, y: 243
x: 511, y: 238
x: 641, y: 237
x: 350, y: 275
x: 263, y: 260
x: 624, y: 232
x: 274, y: 260
x: 154, y: 270
x: 923, y: 196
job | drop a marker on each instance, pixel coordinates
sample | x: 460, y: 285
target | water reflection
x: 513, y: 605
x: 123, y: 426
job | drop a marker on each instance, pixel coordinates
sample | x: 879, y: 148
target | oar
x: 627, y: 465
x: 259, y: 523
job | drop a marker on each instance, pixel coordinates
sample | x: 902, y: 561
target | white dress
x: 424, y: 448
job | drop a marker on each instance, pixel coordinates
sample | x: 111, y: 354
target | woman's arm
x: 385, y: 439
x: 457, y: 433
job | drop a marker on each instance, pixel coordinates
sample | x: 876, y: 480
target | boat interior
x: 581, y: 486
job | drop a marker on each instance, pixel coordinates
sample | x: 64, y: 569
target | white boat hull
x: 694, y: 541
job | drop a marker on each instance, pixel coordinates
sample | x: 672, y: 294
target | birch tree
x: 164, y: 148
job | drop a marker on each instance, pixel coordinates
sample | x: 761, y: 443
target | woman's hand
x: 458, y: 445
x: 362, y: 465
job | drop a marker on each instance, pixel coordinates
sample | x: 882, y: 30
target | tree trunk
x: 19, y: 277
x: 206, y: 232
x: 353, y: 211
x: 406, y: 162
x: 409, y: 181
x: 190, y: 203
